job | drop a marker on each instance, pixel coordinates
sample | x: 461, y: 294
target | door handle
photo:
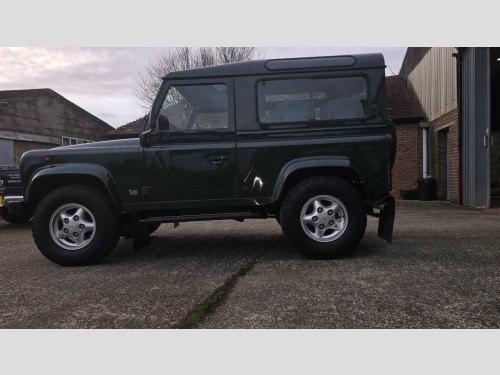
x: 217, y: 159
x: 486, y: 139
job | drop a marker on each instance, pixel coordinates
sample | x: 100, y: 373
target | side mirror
x: 145, y: 138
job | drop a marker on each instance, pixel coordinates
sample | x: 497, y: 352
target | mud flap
x: 141, y: 236
x: 386, y: 219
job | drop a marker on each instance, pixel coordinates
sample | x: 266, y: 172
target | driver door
x: 191, y: 160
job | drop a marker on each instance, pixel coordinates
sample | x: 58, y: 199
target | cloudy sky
x: 101, y: 80
x: 92, y: 53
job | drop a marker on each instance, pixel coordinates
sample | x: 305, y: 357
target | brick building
x: 458, y: 92
x: 40, y: 119
x: 406, y: 114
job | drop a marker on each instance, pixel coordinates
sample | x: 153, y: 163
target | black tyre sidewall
x: 323, y: 185
x: 106, y: 231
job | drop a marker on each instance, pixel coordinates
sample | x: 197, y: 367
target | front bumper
x: 5, y: 201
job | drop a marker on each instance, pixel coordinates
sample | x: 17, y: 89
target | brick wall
x: 408, y: 164
x: 447, y: 123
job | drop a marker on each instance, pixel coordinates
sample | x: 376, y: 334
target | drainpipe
x: 425, y: 126
x: 426, y: 185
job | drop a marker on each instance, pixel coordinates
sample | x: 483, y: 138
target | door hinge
x: 146, y: 191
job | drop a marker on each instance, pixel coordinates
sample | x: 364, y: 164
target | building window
x: 68, y: 141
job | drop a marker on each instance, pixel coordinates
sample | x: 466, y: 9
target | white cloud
x: 100, y: 80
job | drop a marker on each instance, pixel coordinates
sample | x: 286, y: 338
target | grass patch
x: 200, y: 312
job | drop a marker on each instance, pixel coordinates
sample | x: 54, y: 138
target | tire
x: 323, y: 217
x: 128, y: 231
x: 76, y: 225
x: 14, y: 219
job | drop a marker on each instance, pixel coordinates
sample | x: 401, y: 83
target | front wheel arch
x: 44, y: 182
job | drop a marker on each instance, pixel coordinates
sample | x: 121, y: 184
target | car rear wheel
x: 75, y: 226
x: 323, y: 217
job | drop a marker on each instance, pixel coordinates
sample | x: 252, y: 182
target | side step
x: 239, y: 216
x: 141, y: 231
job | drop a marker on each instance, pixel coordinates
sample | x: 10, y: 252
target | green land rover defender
x: 306, y: 141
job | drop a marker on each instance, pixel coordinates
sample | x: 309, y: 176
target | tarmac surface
x: 441, y: 271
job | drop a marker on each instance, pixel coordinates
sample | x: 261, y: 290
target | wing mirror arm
x: 145, y: 138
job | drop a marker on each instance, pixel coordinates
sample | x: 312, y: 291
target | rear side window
x: 306, y: 100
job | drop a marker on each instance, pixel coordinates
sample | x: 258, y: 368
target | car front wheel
x: 75, y: 226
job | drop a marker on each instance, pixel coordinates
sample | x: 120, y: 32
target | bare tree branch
x: 181, y: 58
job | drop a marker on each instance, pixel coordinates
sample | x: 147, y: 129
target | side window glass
x: 304, y: 100
x: 194, y: 107
x: 175, y: 111
x: 211, y: 120
x: 344, y: 98
x: 285, y: 101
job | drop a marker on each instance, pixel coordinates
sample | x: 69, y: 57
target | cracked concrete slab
x: 440, y: 272
x: 152, y: 288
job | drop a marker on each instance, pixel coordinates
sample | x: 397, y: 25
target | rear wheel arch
x: 342, y: 173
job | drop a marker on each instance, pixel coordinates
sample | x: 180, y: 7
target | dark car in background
x: 11, y: 191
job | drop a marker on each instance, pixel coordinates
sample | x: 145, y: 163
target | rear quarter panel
x: 264, y: 156
x: 263, y: 152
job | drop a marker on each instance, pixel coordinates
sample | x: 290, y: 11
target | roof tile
x: 401, y: 103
